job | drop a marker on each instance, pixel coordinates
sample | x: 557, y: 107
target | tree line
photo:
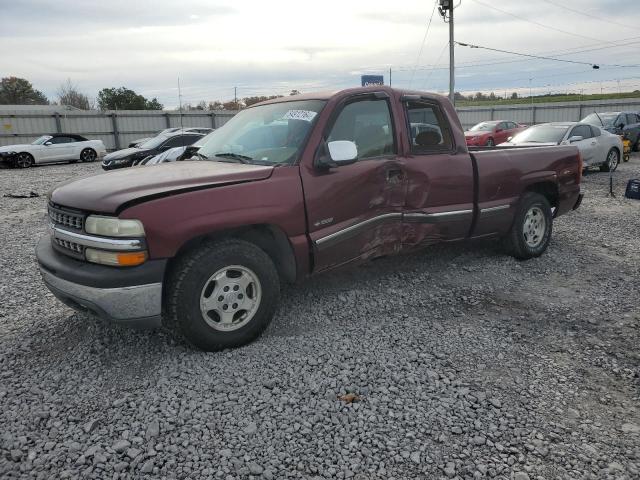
x: 19, y: 91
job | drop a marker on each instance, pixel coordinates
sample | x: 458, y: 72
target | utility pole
x: 180, y: 103
x: 389, y: 76
x: 446, y: 11
x: 235, y: 97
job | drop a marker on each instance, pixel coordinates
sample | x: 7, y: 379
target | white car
x: 598, y: 147
x: 58, y: 147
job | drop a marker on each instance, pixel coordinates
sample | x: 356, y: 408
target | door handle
x: 394, y: 174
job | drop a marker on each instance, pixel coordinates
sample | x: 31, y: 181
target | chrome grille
x: 65, y: 218
x: 71, y: 246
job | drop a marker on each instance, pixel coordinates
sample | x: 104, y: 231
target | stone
x: 147, y: 467
x: 153, y: 429
x: 121, y: 445
x: 255, y: 469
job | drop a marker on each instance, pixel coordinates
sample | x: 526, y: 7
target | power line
x: 424, y: 39
x: 527, y: 55
x: 564, y: 7
x: 555, y: 59
x: 538, y: 23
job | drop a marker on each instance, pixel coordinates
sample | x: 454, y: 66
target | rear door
x: 588, y: 146
x: 440, y: 190
x: 354, y: 211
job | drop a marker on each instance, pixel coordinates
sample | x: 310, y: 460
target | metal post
x: 167, y: 120
x: 452, y: 77
x: 492, y: 113
x: 116, y: 134
x: 389, y: 76
x: 213, y: 120
x: 58, y: 123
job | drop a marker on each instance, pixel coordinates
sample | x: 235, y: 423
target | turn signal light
x: 115, y: 259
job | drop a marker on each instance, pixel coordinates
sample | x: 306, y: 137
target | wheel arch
x: 547, y: 189
x: 270, y: 238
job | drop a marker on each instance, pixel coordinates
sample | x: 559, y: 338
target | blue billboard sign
x: 369, y: 80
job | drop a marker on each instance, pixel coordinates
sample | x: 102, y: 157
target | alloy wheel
x: 534, y: 227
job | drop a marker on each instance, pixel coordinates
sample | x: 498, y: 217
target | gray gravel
x: 464, y: 363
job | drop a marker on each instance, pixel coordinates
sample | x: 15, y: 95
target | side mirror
x: 343, y: 152
x: 498, y: 130
x: 575, y: 138
x: 620, y: 126
x: 48, y: 143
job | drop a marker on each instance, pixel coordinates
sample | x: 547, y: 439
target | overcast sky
x: 271, y: 47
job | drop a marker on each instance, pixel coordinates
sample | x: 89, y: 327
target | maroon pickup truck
x: 286, y: 189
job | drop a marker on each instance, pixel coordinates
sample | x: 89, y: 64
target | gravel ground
x: 462, y: 362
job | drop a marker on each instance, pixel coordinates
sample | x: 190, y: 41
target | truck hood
x: 109, y: 191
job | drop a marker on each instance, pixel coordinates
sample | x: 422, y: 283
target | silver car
x: 598, y: 147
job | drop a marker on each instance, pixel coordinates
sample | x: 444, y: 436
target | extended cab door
x: 439, y: 204
x: 354, y: 211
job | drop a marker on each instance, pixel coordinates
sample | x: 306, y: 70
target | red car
x: 495, y: 132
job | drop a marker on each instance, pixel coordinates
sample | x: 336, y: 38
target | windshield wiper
x: 201, y: 155
x: 233, y: 156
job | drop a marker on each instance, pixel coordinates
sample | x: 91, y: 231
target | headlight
x: 115, y: 259
x: 113, y: 226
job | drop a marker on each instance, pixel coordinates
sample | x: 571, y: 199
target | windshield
x: 41, y: 140
x: 266, y: 135
x: 607, y: 119
x: 541, y: 134
x: 152, y: 143
x: 483, y: 127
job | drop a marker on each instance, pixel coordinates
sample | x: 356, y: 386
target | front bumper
x: 130, y: 296
x: 8, y: 157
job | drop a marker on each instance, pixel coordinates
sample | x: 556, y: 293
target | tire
x: 88, y: 155
x: 636, y: 147
x: 233, y: 278
x: 612, y: 161
x: 491, y: 143
x: 23, y: 160
x: 530, y: 233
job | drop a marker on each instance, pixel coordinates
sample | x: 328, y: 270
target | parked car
x: 598, y: 147
x: 127, y: 157
x: 174, y: 154
x: 167, y: 131
x: 626, y: 124
x: 205, y: 244
x: 57, y: 147
x: 492, y: 133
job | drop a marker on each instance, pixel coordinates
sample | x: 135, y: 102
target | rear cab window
x: 428, y: 129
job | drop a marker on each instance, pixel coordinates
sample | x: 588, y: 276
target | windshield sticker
x: 306, y: 115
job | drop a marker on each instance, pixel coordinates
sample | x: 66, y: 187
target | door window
x: 427, y: 128
x: 368, y: 124
x: 581, y: 130
x: 631, y: 119
x: 503, y: 126
x: 173, y: 142
x: 595, y: 131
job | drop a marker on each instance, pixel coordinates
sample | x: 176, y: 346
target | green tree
x: 248, y: 101
x: 125, y: 99
x: 68, y: 94
x: 294, y: 92
x: 514, y: 96
x: 19, y: 91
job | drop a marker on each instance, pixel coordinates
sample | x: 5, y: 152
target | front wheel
x: 612, y: 161
x: 491, y: 143
x: 24, y: 160
x: 530, y: 233
x: 222, y: 295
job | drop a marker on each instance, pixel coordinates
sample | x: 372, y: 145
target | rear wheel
x: 491, y: 143
x: 222, y: 295
x: 24, y: 160
x: 612, y: 161
x: 88, y: 155
x: 530, y: 233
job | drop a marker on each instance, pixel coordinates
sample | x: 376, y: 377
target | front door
x: 61, y: 148
x: 587, y: 146
x: 439, y: 203
x: 354, y: 211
